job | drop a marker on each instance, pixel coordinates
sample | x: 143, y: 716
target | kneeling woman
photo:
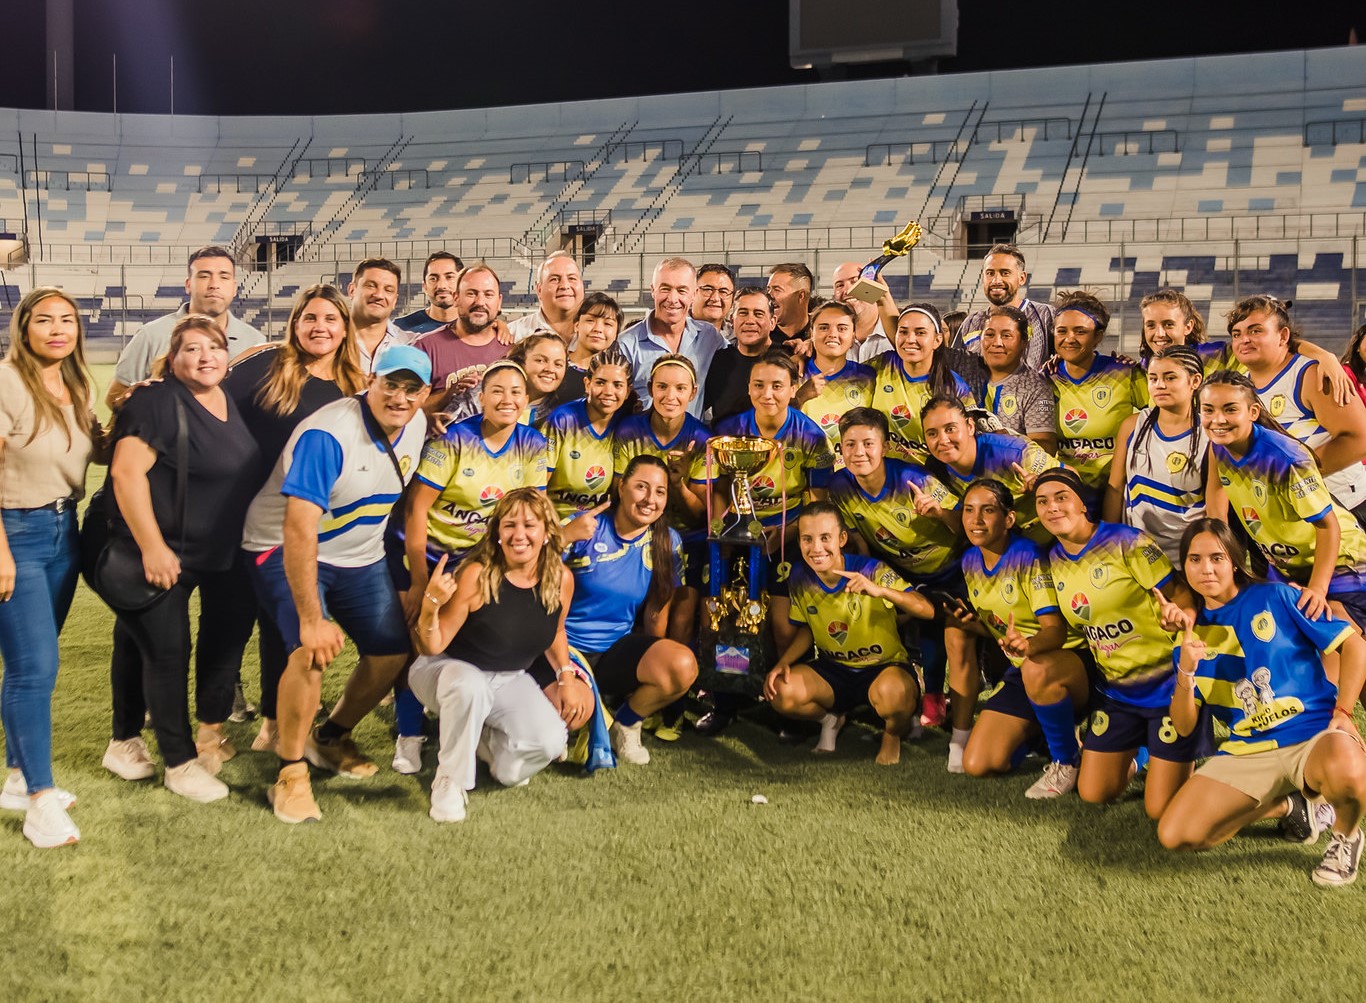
x: 626, y: 562
x: 848, y: 607
x: 478, y: 633
x: 1254, y: 659
x: 1046, y: 686
x: 1106, y: 577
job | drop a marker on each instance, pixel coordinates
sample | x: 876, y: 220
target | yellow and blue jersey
x: 471, y: 479
x: 1020, y: 585
x: 845, y: 390
x: 900, y: 397
x: 581, y: 461
x: 853, y: 630
x: 895, y: 531
x: 1261, y: 674
x: 1105, y: 593
x: 1278, y: 493
x: 998, y: 453
x: 611, y: 579
x: 1090, y: 411
x: 803, y: 461
x: 633, y: 436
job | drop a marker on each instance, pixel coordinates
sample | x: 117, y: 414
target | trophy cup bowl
x: 739, y: 456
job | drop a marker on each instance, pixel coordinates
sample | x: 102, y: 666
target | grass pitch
x: 854, y: 882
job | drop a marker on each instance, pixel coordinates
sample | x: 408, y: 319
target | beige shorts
x: 1265, y: 776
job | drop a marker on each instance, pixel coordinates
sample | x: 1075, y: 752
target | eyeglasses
x: 710, y: 291
x: 408, y: 391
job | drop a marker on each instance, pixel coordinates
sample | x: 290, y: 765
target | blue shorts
x: 1122, y: 727
x: 850, y: 685
x: 362, y: 600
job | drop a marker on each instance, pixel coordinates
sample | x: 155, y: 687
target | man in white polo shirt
x: 559, y: 294
x: 212, y: 286
x: 314, y: 537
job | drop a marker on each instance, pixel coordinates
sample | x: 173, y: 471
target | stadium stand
x: 1121, y: 178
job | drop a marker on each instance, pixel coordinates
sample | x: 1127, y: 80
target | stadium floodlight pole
x: 115, y: 74
x: 173, y: 86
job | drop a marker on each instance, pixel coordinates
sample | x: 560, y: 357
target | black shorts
x: 1122, y: 727
x: 850, y: 685
x: 615, y: 668
x: 1009, y: 697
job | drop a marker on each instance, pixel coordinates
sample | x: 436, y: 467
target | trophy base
x: 865, y: 291
x: 742, y: 533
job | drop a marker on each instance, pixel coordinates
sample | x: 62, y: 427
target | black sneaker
x: 1300, y: 824
x: 713, y: 722
x: 241, y: 709
x: 1340, y: 861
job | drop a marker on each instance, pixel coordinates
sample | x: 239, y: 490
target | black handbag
x: 112, y: 564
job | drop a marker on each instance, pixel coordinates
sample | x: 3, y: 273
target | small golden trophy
x: 865, y: 290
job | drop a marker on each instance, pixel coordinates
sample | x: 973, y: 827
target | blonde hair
x: 488, y: 552
x: 284, y: 383
x: 75, y: 374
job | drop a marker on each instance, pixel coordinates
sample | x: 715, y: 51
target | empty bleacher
x: 1220, y: 175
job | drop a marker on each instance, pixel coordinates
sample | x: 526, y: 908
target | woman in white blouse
x: 48, y: 436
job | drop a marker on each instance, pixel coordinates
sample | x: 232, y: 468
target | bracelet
x: 431, y: 598
x: 1344, y: 713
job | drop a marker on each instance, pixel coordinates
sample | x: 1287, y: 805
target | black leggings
x: 150, y: 666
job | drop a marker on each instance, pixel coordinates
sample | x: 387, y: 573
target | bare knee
x: 892, y: 696
x: 981, y: 761
x: 670, y: 666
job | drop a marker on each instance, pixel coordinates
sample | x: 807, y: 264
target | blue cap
x: 401, y: 358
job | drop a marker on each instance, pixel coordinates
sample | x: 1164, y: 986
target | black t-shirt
x: 270, y: 430
x: 223, y: 459
x: 727, y: 388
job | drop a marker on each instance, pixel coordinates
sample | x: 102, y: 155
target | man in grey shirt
x: 1003, y: 282
x: 212, y: 286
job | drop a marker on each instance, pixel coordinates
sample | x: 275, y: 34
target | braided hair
x: 1188, y: 358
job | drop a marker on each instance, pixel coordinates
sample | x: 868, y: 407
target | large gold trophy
x: 735, y: 647
x: 739, y: 456
x: 865, y: 290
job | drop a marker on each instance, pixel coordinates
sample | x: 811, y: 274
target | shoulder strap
x: 372, y: 425
x: 182, y: 460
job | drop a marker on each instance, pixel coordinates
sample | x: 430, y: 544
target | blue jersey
x: 611, y: 578
x: 1261, y: 674
x: 998, y: 454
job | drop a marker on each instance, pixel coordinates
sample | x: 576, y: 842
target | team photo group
x: 1140, y: 571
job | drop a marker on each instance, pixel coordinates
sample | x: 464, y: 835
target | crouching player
x: 847, y: 606
x: 1253, y: 658
x: 1046, y: 686
x: 314, y: 540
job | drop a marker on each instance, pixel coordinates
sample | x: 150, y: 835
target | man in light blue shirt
x: 669, y: 328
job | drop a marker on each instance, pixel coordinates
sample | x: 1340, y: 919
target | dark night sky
x: 353, y: 56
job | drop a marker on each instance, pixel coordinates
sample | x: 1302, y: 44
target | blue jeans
x: 43, y: 543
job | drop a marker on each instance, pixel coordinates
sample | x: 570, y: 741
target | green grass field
x: 663, y: 883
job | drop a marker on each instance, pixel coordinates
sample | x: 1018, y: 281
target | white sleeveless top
x: 1284, y: 403
x: 1164, y: 492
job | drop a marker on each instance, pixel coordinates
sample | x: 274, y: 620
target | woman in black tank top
x: 478, y: 632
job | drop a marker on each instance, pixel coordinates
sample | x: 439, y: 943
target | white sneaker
x: 15, y: 794
x: 1058, y: 779
x: 830, y: 731
x: 626, y: 744
x: 955, y: 764
x: 46, y: 823
x: 408, y: 754
x: 129, y: 759
x: 449, y: 800
x: 191, y: 780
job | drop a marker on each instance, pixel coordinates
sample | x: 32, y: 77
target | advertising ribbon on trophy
x: 865, y: 290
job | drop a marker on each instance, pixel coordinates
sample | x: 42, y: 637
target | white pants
x: 521, y: 730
